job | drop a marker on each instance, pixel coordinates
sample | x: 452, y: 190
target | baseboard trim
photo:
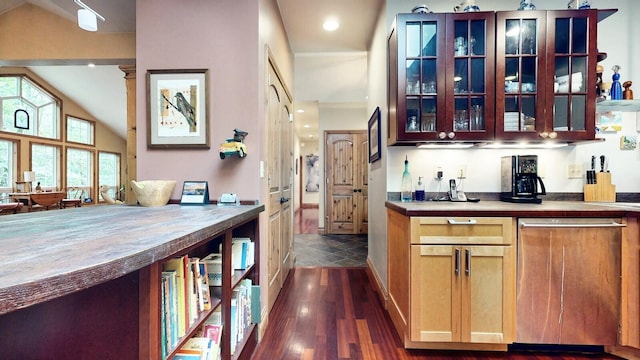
x: 310, y: 206
x: 372, y: 274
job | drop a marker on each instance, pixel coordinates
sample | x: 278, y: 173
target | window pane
x: 45, y: 161
x: 80, y: 131
x: 48, y: 121
x: 79, y: 168
x: 7, y: 167
x: 34, y: 94
x: 8, y: 86
x: 109, y: 173
x: 9, y: 107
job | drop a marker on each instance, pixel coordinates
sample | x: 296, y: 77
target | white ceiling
x: 101, y: 91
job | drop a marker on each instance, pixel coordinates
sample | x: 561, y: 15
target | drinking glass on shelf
x: 461, y: 121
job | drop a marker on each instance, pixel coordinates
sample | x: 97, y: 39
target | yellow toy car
x: 235, y: 145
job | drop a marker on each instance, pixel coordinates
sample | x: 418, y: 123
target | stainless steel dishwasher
x: 568, y: 280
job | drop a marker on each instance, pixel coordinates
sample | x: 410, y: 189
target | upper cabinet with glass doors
x: 545, y: 65
x: 441, y: 79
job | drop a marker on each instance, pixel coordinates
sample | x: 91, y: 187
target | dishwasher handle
x: 611, y: 224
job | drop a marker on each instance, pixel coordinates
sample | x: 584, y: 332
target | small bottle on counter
x: 420, y: 190
x: 406, y: 187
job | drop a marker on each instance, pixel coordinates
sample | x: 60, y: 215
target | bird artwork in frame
x: 177, y: 109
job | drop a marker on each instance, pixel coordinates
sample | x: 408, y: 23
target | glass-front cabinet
x: 441, y: 77
x: 545, y: 62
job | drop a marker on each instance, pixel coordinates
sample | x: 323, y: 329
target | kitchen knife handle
x: 602, y: 163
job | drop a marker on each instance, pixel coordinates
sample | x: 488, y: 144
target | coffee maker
x: 519, y: 175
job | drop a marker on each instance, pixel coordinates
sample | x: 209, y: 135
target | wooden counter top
x: 49, y: 254
x: 500, y: 208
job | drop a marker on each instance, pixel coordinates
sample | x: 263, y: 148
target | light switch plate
x: 574, y: 171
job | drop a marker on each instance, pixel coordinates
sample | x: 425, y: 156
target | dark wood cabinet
x: 441, y: 77
x: 548, y: 61
x: 484, y: 76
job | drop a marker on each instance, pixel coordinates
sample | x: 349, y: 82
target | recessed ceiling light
x: 330, y: 24
x: 91, y: 65
x: 307, y: 126
x: 300, y: 111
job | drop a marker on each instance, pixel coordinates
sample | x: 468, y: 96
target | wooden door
x: 488, y: 294
x: 279, y: 180
x: 435, y: 293
x: 346, y: 173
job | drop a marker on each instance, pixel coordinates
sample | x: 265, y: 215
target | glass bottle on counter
x: 420, y: 190
x: 406, y: 187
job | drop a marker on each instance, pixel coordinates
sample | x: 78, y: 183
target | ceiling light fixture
x: 87, y: 17
x: 331, y: 24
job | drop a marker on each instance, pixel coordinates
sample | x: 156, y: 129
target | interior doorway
x: 346, y: 171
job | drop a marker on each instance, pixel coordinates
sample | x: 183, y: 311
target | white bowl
x: 153, y: 192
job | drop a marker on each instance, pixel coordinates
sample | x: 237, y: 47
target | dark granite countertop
x: 500, y: 208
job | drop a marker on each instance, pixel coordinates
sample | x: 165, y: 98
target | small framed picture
x: 374, y: 136
x: 195, y: 193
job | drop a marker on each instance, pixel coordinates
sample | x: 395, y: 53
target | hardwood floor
x: 306, y: 221
x: 334, y: 313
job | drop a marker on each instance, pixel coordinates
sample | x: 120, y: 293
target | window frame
x: 14, y: 168
x: 58, y: 165
x: 88, y: 189
x: 34, y: 119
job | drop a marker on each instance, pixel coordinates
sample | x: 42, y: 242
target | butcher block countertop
x: 49, y: 254
x: 500, y: 208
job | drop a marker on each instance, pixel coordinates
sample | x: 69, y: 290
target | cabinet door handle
x: 467, y: 255
x: 468, y: 222
x: 457, y: 260
x: 572, y: 225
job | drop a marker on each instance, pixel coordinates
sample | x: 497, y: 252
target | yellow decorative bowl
x: 153, y: 192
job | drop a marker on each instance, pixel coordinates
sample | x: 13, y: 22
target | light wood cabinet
x: 459, y: 281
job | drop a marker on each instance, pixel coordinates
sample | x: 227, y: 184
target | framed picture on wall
x: 374, y: 136
x: 177, y: 109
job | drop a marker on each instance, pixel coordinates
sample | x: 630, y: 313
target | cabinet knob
x: 451, y: 135
x: 553, y: 135
x: 442, y: 135
x: 544, y: 135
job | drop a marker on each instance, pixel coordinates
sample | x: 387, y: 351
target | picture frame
x: 374, y: 136
x: 178, y: 109
x: 195, y: 193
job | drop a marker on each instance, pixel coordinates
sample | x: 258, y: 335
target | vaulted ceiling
x: 303, y: 23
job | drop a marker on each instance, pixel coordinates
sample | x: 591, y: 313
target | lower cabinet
x: 462, y: 293
x: 460, y: 281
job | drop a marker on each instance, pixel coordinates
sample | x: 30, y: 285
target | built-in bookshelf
x: 231, y: 299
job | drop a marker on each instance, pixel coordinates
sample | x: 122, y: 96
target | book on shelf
x: 199, y: 348
x: 242, y: 253
x: 204, y: 286
x: 181, y: 268
x: 214, y: 268
x: 214, y: 333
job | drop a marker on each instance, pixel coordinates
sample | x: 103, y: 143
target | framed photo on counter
x: 195, y: 193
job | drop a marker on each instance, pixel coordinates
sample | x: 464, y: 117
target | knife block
x: 602, y: 190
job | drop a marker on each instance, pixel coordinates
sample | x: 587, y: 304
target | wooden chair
x: 73, y: 199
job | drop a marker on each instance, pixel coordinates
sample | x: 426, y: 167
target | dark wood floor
x: 334, y: 313
x: 306, y: 221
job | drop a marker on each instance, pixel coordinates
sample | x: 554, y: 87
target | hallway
x: 313, y: 249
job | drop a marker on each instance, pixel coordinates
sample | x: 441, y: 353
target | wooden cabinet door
x: 462, y: 294
x: 435, y: 293
x: 488, y: 293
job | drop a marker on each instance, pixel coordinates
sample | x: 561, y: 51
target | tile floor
x: 330, y: 250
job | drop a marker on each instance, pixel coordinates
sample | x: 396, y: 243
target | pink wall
x: 221, y: 36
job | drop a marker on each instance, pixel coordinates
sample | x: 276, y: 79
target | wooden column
x: 131, y: 168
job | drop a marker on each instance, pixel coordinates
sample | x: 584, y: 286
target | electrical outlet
x: 438, y: 174
x: 462, y: 172
x: 574, y: 171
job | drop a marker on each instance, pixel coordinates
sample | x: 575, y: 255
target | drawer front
x: 462, y: 230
